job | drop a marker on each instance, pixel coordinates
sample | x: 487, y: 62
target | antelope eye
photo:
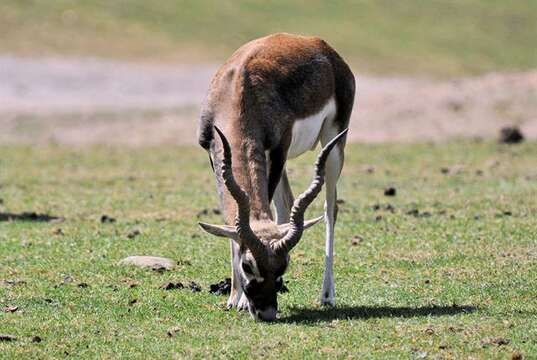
x: 251, y: 287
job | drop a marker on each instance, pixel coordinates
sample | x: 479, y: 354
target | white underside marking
x: 306, y: 131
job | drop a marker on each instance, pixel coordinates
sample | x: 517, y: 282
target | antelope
x: 273, y: 100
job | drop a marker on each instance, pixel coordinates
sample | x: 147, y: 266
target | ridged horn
x: 242, y: 221
x: 300, y: 205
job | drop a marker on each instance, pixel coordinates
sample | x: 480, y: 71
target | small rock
x: 421, y: 354
x: 413, y: 212
x: 134, y: 233
x: 184, y: 262
x: 132, y: 284
x: 454, y: 329
x: 499, y: 341
x: 517, y: 356
x: 173, y: 331
x: 356, y: 239
x: 391, y: 191
x: 510, y: 135
x: 369, y: 169
x: 107, y: 219
x: 387, y: 207
x: 172, y: 286
x: 153, y: 262
x: 429, y: 331
x: 194, y: 287
x: 13, y: 282
x: 11, y: 308
x: 202, y: 213
x: 454, y: 170
x: 36, y: 339
x: 5, y: 337
x: 503, y: 214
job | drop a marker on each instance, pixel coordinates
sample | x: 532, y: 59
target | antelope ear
x: 284, y: 228
x: 220, y: 230
x: 311, y: 222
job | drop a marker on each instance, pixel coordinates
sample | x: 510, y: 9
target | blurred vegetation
x: 411, y: 36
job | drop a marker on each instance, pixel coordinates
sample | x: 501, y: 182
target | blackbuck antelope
x: 274, y: 99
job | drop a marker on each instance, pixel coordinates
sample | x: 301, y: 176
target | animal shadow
x: 29, y: 216
x: 313, y: 316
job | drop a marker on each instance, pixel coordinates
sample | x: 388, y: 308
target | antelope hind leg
x: 333, y: 169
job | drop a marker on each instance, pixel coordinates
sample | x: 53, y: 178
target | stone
x: 153, y: 262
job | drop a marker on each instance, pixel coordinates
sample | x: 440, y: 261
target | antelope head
x: 264, y: 245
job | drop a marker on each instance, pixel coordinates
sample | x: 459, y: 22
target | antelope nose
x: 268, y: 314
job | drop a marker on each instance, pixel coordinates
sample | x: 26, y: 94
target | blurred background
x: 134, y: 72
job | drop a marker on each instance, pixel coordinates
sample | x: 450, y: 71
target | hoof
x: 232, y: 302
x: 243, y: 303
x: 327, y: 298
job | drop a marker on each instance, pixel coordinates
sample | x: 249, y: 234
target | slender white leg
x: 283, y: 200
x: 333, y: 170
x: 236, y: 290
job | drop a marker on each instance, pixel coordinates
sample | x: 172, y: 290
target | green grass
x: 437, y: 37
x: 439, y: 285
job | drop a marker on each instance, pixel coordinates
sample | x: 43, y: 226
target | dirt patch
x: 94, y: 101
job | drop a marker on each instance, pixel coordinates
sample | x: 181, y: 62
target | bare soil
x: 95, y: 101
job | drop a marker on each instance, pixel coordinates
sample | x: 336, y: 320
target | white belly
x: 306, y: 131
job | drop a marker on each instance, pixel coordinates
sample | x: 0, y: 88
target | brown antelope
x: 274, y: 99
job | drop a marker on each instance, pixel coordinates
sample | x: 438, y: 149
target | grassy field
x: 445, y: 269
x: 412, y: 36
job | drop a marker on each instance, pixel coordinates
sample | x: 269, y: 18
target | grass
x: 452, y: 280
x: 437, y: 37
